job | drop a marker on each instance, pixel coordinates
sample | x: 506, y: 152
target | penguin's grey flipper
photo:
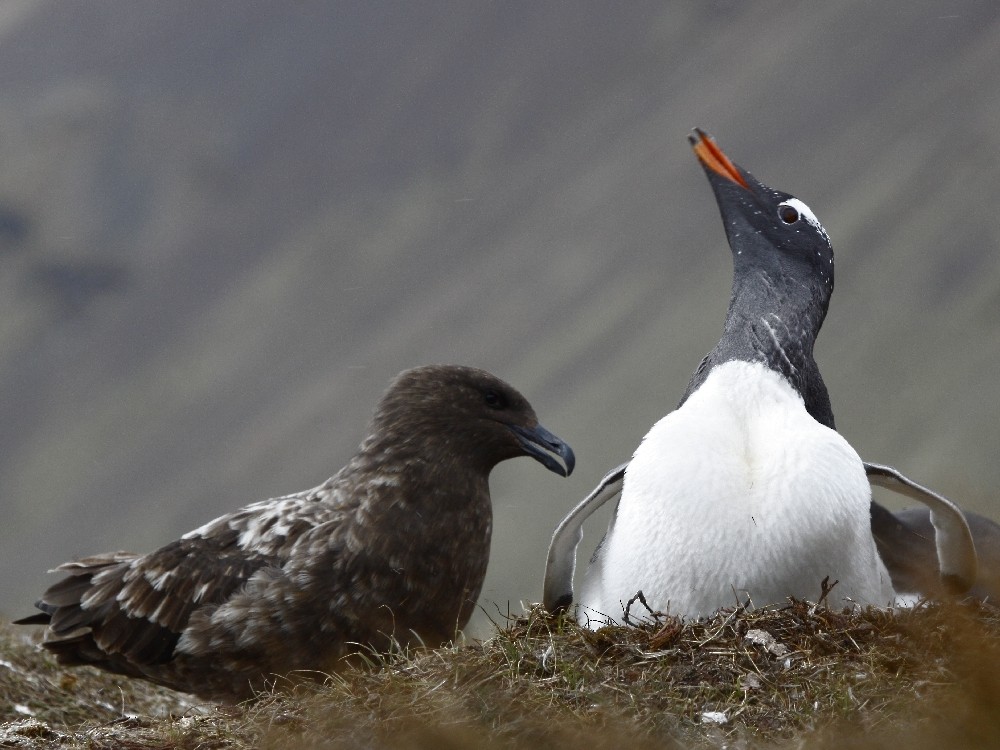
x: 906, y: 546
x: 560, y: 566
x: 905, y: 541
x: 899, y: 540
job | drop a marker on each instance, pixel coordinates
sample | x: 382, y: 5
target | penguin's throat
x: 774, y: 324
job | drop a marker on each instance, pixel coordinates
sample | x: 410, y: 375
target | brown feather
x: 393, y: 547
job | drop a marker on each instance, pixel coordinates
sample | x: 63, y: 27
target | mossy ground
x: 790, y: 677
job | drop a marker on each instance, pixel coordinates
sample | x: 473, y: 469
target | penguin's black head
x: 782, y: 279
x: 768, y: 230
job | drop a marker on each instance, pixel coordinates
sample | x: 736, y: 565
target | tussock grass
x: 790, y: 677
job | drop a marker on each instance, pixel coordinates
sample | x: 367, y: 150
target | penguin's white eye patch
x: 804, y: 212
x: 788, y: 214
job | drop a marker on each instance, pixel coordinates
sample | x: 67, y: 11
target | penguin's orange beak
x: 712, y: 157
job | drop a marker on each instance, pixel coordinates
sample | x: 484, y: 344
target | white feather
x: 806, y: 213
x: 738, y: 492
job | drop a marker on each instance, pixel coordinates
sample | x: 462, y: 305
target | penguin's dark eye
x: 494, y: 400
x: 788, y: 214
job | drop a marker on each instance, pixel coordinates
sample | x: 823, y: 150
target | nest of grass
x: 776, y: 677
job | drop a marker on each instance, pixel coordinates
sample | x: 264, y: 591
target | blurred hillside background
x: 225, y: 226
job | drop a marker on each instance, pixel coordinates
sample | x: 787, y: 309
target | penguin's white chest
x: 738, y: 493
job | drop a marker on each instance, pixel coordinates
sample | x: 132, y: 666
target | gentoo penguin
x: 931, y: 552
x: 391, y: 549
x: 746, y: 490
